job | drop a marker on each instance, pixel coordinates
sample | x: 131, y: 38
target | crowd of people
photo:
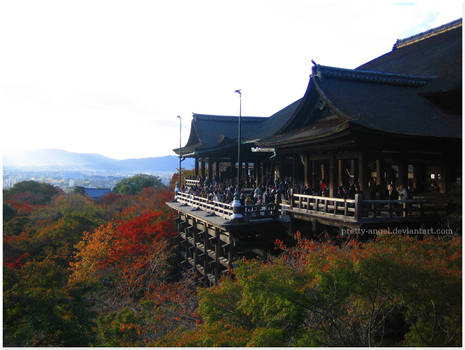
x: 275, y: 191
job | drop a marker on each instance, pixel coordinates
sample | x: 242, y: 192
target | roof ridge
x: 427, y: 34
x: 370, y: 76
x: 225, y: 117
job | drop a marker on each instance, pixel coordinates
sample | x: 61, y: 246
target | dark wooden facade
x: 396, y: 119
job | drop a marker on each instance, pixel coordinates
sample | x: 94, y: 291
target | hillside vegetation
x: 79, y: 272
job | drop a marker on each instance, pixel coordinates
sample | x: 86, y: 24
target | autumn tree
x: 140, y: 300
x: 391, y: 291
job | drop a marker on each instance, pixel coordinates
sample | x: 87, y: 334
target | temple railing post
x: 357, y: 207
x: 237, y: 207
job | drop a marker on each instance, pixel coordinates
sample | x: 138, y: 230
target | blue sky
x: 110, y: 77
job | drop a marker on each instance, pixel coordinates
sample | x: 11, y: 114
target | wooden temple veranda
x: 394, y: 120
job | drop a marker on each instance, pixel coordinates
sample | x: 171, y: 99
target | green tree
x: 391, y: 291
x: 136, y: 183
x: 32, y: 191
x: 40, y: 310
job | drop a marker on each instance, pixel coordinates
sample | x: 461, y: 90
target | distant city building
x: 96, y: 193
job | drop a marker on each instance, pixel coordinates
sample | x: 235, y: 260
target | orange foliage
x: 134, y: 251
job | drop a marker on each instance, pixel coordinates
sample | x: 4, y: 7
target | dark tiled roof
x: 385, y: 94
x: 210, y: 131
x: 385, y: 102
x: 274, y: 123
x: 437, y: 52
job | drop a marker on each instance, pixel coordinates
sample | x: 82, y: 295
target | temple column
x: 306, y: 170
x: 403, y: 172
x: 257, y: 167
x: 233, y: 171
x: 419, y: 174
x: 202, y: 168
x: 217, y: 170
x: 380, y: 172
x: 210, y: 169
x: 246, y: 172
x: 444, y: 173
x: 293, y: 168
x: 362, y: 171
x: 262, y: 173
x: 352, y: 171
x: 196, y: 167
x: 340, y: 172
x: 332, y: 175
x: 389, y: 174
x: 314, y: 175
x: 280, y: 167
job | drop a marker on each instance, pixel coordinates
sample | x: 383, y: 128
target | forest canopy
x: 79, y: 272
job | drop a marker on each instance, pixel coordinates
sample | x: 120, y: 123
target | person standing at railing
x: 248, y: 201
x: 403, y: 194
x: 277, y: 197
x: 257, y: 193
x: 392, y: 193
x: 322, y: 187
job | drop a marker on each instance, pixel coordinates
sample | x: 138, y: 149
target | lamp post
x: 239, y: 165
x: 179, y: 117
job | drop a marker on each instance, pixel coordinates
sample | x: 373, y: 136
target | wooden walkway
x: 359, y: 212
x: 331, y: 211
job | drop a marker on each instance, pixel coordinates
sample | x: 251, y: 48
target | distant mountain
x: 53, y: 159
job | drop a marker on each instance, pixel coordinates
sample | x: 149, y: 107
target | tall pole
x: 239, y: 165
x: 179, y: 117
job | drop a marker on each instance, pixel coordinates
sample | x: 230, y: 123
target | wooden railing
x: 353, y: 210
x: 389, y: 209
x: 326, y: 205
x: 364, y: 210
x: 190, y: 182
x: 266, y: 210
x: 225, y: 210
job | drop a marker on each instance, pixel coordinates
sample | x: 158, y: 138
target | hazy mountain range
x: 59, y: 160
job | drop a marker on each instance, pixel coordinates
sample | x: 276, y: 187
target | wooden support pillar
x: 362, y: 171
x: 353, y: 174
x: 306, y: 170
x: 340, y: 172
x: 245, y: 175
x: 380, y: 180
x: 389, y: 174
x: 419, y: 175
x: 202, y: 168
x: 205, y: 257
x: 210, y: 169
x: 444, y: 177
x: 403, y: 172
x: 196, y: 167
x: 258, y: 174
x: 231, y: 251
x: 233, y: 171
x: 194, y: 249
x: 314, y: 183
x: 332, y: 175
x: 294, y: 165
x: 280, y: 167
x: 217, y: 255
x: 217, y: 170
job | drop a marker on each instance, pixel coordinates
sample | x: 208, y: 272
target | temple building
x: 393, y: 123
